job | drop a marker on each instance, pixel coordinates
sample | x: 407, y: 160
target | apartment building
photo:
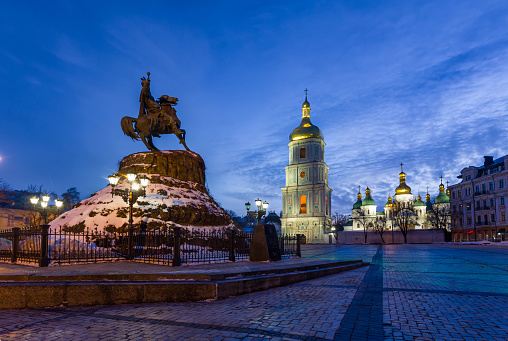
x: 478, y: 201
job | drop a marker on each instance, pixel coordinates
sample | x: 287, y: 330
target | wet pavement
x: 409, y: 292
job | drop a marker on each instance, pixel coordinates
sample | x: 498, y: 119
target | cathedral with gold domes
x: 306, y: 198
x: 364, y: 212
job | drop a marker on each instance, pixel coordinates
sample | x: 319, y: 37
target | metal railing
x: 165, y: 245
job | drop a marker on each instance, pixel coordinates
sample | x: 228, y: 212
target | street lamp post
x: 260, y: 212
x: 136, y: 189
x: 44, y: 204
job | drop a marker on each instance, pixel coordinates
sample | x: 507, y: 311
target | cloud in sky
x: 422, y: 84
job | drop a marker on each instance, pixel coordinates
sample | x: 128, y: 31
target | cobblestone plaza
x: 409, y: 292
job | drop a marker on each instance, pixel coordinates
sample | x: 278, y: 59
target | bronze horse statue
x: 155, y: 118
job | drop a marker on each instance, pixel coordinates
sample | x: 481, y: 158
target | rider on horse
x: 163, y: 116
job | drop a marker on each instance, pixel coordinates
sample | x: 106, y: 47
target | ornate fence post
x: 232, y: 236
x: 15, y: 244
x: 44, y: 260
x: 177, y: 261
x: 298, y: 249
x: 130, y: 243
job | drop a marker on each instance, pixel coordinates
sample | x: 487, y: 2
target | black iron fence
x: 166, y: 245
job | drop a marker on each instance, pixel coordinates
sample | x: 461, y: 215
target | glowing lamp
x: 265, y: 205
x: 44, y: 204
x: 131, y: 177
x: 135, y: 186
x: 144, y: 182
x: 258, y: 202
x: 45, y: 198
x: 247, y: 205
x: 113, y: 180
x: 58, y: 203
x: 34, y: 200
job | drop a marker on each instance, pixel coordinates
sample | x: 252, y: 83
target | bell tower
x: 306, y: 198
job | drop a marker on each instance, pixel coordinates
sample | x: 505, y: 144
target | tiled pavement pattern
x: 410, y: 292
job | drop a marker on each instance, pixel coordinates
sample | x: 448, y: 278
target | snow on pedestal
x: 175, y: 196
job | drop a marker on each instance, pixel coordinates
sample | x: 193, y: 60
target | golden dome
x: 306, y: 129
x: 402, y: 188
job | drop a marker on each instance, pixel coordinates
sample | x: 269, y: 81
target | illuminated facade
x: 306, y: 198
x: 364, y: 212
x: 478, y: 202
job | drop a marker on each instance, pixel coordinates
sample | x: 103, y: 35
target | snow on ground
x: 102, y: 209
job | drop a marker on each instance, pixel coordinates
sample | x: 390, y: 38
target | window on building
x: 468, y: 206
x: 484, y: 204
x: 477, y: 189
x: 454, y: 208
x: 468, y: 177
x: 469, y: 220
x: 492, y: 217
x: 326, y: 204
x: 485, y: 220
x: 491, y: 186
x: 503, y: 216
x: 460, y: 221
x: 459, y: 194
x: 491, y: 202
x: 302, y: 153
x: 460, y: 208
x: 501, y: 183
x: 479, y: 219
x: 484, y: 188
x: 303, y: 204
x: 453, y: 195
x: 502, y: 200
x: 478, y: 205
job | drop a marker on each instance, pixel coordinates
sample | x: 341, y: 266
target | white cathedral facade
x: 306, y: 198
x: 364, y: 211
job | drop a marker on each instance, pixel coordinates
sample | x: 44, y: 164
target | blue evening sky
x: 419, y: 82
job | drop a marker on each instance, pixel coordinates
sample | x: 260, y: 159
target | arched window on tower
x: 326, y: 204
x: 303, y: 204
x: 303, y: 154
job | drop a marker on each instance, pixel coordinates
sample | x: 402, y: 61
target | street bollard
x: 298, y: 249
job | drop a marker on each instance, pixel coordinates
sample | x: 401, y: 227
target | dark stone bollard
x: 298, y: 248
x: 265, y: 244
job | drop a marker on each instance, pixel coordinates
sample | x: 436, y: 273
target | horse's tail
x: 128, y: 128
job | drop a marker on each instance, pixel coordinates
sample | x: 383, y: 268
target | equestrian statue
x: 155, y: 118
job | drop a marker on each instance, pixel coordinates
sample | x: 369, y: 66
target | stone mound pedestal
x: 176, y: 195
x: 177, y: 164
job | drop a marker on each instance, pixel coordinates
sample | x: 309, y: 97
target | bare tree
x: 338, y: 221
x: 380, y: 226
x: 404, y: 217
x: 366, y: 222
x: 4, y: 191
x: 70, y: 198
x: 439, y: 217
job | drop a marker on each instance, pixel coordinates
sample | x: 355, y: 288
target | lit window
x: 303, y: 204
x: 302, y: 153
